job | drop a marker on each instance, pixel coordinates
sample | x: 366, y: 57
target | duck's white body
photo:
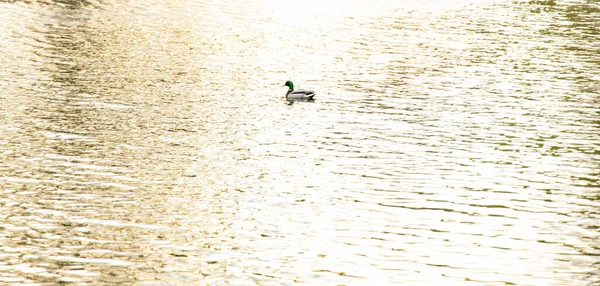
x: 298, y: 93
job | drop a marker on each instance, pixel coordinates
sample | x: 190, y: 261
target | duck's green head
x: 289, y: 84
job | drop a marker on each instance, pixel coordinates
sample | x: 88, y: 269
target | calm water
x: 453, y: 142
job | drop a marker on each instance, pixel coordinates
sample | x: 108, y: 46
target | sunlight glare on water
x: 450, y: 142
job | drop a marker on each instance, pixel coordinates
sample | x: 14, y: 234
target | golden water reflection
x: 149, y: 143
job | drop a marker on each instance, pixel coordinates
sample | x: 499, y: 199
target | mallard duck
x: 298, y: 93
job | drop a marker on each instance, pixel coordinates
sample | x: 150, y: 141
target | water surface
x: 452, y: 143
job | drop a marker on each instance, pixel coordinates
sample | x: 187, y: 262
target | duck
x: 298, y: 93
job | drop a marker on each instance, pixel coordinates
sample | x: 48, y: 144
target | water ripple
x: 451, y: 142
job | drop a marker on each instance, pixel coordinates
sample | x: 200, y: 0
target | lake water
x: 452, y: 142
